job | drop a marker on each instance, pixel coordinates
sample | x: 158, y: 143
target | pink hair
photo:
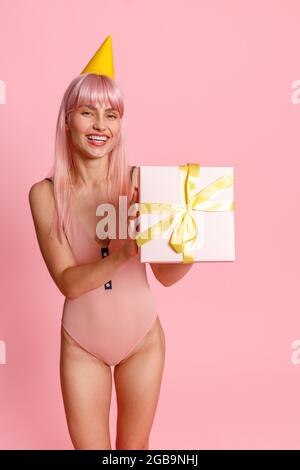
x: 87, y: 89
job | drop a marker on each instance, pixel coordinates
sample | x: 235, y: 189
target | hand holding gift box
x: 197, y: 206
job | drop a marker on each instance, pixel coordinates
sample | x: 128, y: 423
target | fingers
x: 135, y: 196
x: 134, y: 200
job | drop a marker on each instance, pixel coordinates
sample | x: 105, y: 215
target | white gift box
x: 215, y: 239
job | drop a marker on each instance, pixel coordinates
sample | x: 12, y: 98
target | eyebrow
x: 93, y: 107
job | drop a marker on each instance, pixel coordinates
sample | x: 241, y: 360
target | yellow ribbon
x: 185, y: 231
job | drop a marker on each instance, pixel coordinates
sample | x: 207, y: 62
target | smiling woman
x: 92, y: 106
x: 109, y: 315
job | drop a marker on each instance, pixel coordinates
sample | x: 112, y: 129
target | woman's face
x: 87, y: 124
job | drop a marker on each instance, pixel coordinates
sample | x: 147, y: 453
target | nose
x: 100, y: 123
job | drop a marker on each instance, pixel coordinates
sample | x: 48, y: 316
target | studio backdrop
x: 214, y: 82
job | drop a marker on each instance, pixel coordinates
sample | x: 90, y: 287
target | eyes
x: 109, y: 115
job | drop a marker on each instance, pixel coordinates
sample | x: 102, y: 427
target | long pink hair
x: 87, y: 89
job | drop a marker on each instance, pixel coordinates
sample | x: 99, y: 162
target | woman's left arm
x: 170, y: 273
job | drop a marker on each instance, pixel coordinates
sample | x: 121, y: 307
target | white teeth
x: 97, y: 137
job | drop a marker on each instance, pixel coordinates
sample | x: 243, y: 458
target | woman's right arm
x: 71, y: 279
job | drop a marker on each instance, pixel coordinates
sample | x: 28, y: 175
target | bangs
x: 93, y: 90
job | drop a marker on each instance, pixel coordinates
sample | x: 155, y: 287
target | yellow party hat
x: 102, y: 62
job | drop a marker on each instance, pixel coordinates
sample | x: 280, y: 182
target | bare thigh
x: 138, y: 381
x: 86, y: 384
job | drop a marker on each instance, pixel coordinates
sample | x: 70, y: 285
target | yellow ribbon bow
x: 185, y: 231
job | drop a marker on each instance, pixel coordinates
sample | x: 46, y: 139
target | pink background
x: 203, y: 81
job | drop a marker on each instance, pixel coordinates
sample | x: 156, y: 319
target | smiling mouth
x: 97, y: 142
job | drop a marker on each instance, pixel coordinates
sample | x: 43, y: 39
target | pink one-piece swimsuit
x: 109, y: 323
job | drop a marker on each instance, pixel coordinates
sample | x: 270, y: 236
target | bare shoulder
x: 41, y: 195
x: 42, y: 205
x: 39, y: 188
